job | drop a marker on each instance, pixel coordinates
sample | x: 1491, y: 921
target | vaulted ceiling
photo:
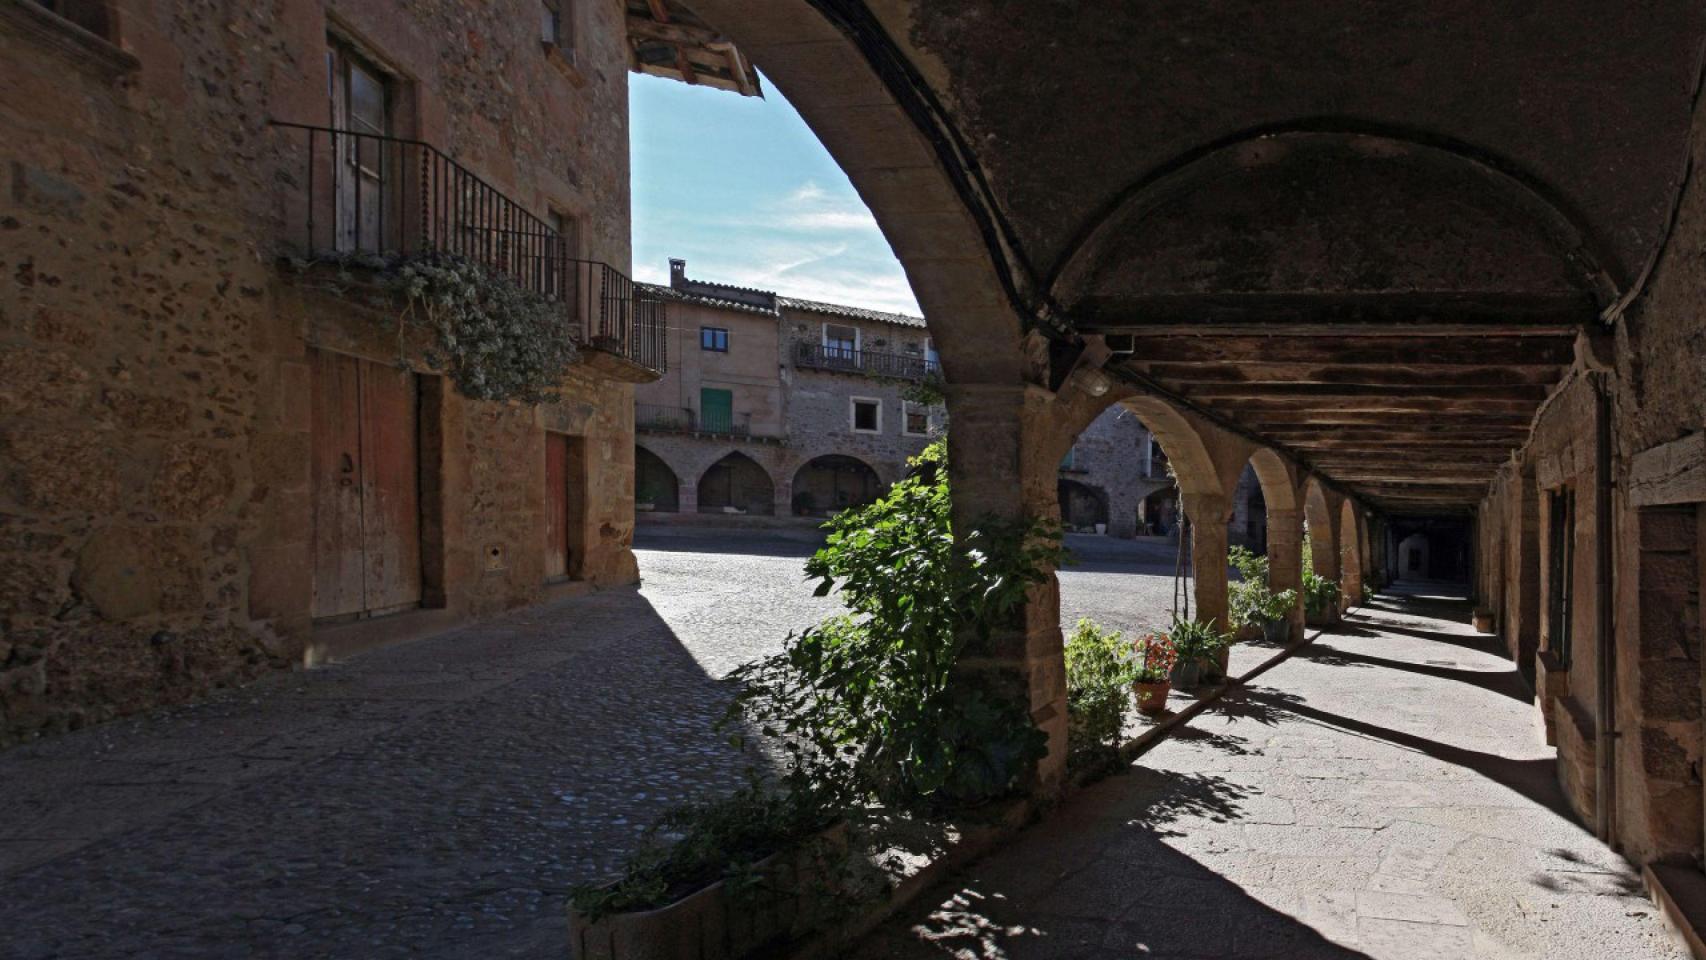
x: 1368, y: 232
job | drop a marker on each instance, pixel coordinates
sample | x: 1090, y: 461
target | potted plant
x: 1320, y: 597
x: 1197, y: 646
x: 1153, y: 680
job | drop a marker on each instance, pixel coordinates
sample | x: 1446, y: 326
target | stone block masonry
x: 158, y: 501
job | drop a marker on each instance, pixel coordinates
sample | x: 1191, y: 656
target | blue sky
x: 741, y: 189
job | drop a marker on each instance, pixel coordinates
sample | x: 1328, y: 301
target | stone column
x: 1324, y: 554
x: 687, y: 496
x: 1209, y: 515
x: 997, y: 465
x: 1350, y: 563
x: 1285, y: 561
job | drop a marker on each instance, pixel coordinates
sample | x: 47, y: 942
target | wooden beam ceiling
x: 1412, y: 403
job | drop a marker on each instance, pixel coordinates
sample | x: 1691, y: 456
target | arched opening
x: 832, y: 483
x: 1250, y: 514
x: 1082, y: 506
x: 1158, y: 514
x: 656, y: 488
x: 1321, y: 529
x: 1413, y: 557
x: 736, y: 484
x: 1350, y: 567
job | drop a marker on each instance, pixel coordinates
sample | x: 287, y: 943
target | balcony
x: 364, y: 193
x: 651, y: 418
x: 894, y: 366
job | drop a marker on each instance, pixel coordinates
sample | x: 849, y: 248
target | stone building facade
x: 776, y: 406
x: 212, y: 462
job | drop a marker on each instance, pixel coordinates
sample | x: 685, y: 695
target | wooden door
x: 366, y: 487
x: 556, y: 506
x: 337, y: 485
x: 391, y: 499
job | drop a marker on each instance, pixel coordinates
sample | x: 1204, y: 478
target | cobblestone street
x: 429, y: 799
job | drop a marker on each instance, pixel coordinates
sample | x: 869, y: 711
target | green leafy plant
x: 495, y: 340
x: 872, y: 705
x: 694, y: 845
x: 1156, y: 656
x: 1100, y: 670
x: 1320, y: 595
x: 1194, y: 640
x: 1251, y: 600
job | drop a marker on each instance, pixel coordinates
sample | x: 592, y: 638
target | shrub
x: 1195, y: 640
x: 870, y: 706
x: 1100, y: 669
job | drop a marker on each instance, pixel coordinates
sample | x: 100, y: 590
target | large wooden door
x: 338, y: 550
x: 366, y: 487
x: 556, y: 506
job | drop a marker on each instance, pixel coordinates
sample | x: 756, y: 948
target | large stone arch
x: 1321, y: 511
x: 1081, y: 504
x: 736, y: 482
x: 879, y: 118
x: 1352, y: 553
x: 1505, y: 230
x: 1277, y: 479
x: 830, y: 482
x: 655, y: 482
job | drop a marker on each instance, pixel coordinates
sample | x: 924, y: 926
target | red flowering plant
x: 1155, y: 656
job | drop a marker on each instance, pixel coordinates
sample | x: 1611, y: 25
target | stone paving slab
x: 1354, y: 802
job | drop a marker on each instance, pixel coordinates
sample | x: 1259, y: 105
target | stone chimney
x: 677, y: 273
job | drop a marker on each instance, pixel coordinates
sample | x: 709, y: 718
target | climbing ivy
x: 495, y: 340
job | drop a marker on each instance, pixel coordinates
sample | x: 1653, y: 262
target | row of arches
x: 736, y: 483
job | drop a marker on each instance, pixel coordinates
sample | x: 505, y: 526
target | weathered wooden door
x: 556, y: 506
x: 366, y: 487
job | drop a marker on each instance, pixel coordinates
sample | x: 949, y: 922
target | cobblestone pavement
x: 1384, y: 794
x: 429, y: 799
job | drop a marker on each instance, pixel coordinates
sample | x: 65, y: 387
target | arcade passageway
x: 1380, y: 795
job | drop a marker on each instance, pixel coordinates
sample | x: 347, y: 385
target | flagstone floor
x: 1382, y: 794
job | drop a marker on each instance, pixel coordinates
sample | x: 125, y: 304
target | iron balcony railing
x: 900, y: 366
x: 364, y: 193
x: 660, y: 419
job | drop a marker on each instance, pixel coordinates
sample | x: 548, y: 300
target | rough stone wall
x: 153, y: 385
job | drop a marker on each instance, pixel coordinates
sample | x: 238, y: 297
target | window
x: 361, y: 107
x: 932, y: 359
x: 915, y: 419
x: 866, y: 414
x: 561, y: 247
x: 714, y: 339
x: 840, y: 343
x: 556, y: 25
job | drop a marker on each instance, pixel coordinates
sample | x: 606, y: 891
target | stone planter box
x: 796, y: 896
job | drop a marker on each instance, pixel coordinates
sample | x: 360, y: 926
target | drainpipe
x: 1605, y: 781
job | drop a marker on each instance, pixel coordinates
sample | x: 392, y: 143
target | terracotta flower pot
x: 1152, y: 697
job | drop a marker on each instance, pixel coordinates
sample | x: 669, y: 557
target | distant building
x: 775, y: 406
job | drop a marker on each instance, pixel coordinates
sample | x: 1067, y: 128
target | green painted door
x: 716, y: 410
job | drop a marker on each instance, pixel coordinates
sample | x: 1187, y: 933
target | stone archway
x: 1351, y: 554
x: 833, y: 482
x: 1277, y: 481
x: 737, y: 484
x: 656, y: 487
x: 1081, y: 504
